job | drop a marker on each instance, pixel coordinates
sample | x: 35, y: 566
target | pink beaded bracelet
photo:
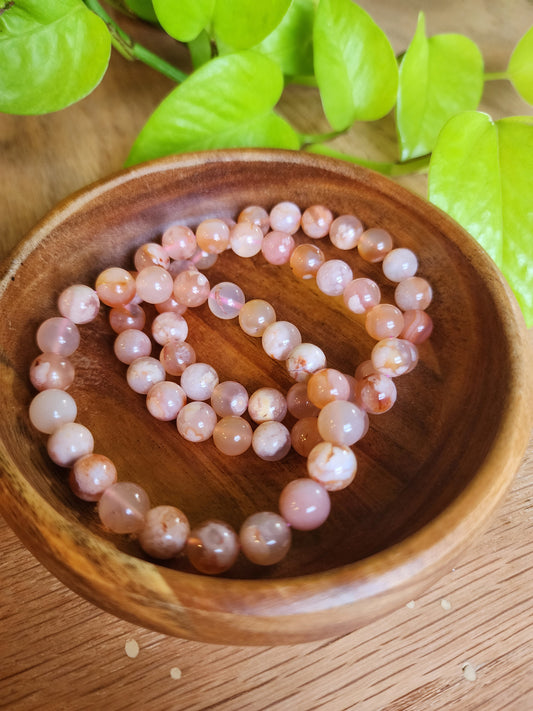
x: 331, y: 408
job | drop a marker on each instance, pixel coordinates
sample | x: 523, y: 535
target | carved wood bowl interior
x: 431, y: 471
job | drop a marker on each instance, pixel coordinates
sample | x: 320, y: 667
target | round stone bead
x: 375, y: 393
x: 79, y: 303
x: 91, y: 475
x: 304, y: 504
x: 68, y: 443
x: 277, y: 247
x: 58, y: 335
x: 199, y: 380
x: 52, y: 408
x: 332, y: 465
x: 50, y: 370
x: 151, y: 254
x: 171, y: 305
x: 271, y: 441
x: 246, y: 239
x: 164, y: 400
x: 306, y: 260
x: 384, y: 321
x: 123, y: 506
x: 226, y: 299
x: 298, y: 402
x: 399, y: 264
x: 316, y: 221
x: 203, y: 260
x: 257, y: 215
x: 333, y: 277
x: 154, y: 284
x: 417, y: 326
x: 265, y: 538
x: 115, y: 286
x: 285, y: 217
x: 144, y: 372
x: 279, y: 338
x: 255, y: 316
x: 345, y: 232
x: 361, y: 295
x: 169, y: 326
x: 305, y: 435
x: 212, y: 236
x: 179, y: 242
x: 374, y: 244
x: 196, y: 421
x: 229, y: 398
x: 363, y: 369
x: 394, y: 356
x: 175, y: 356
x: 129, y: 316
x: 132, y: 344
x: 165, y: 532
x: 136, y: 299
x: 326, y: 385
x: 413, y: 293
x: 232, y: 435
x: 305, y: 359
x: 191, y: 288
x: 342, y: 422
x: 212, y: 547
x: 267, y: 404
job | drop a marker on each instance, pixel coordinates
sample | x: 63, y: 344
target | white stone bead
x: 280, y: 338
x: 332, y: 465
x: 52, y: 408
x: 304, y: 359
x: 68, y: 443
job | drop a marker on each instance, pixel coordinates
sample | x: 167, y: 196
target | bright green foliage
x: 241, y: 24
x: 520, y: 67
x: 51, y: 55
x: 355, y: 66
x: 184, y: 19
x: 439, y: 77
x: 143, y: 9
x: 226, y: 103
x: 480, y: 174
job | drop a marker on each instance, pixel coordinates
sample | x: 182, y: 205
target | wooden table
x: 466, y: 644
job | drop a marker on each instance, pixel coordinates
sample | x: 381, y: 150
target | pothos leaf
x: 480, y: 174
x: 439, y: 77
x: 241, y: 24
x: 51, y: 54
x: 184, y: 19
x: 143, y: 9
x: 520, y: 67
x: 228, y: 102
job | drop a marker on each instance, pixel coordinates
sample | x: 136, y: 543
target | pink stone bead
x: 91, y: 475
x: 265, y: 538
x: 333, y: 277
x: 50, y: 370
x: 154, y: 284
x: 306, y: 260
x: 165, y: 532
x: 175, y: 356
x: 58, y: 335
x: 351, y: 383
x: 285, y: 217
x: 256, y: 214
x: 303, y: 360
x: 271, y: 441
x: 246, y: 239
x: 277, y: 247
x: 79, y: 303
x: 363, y: 369
x: 399, y: 264
x: 123, y: 506
x: 212, y: 236
x: 254, y: 317
x: 191, y: 288
x: 305, y: 435
x: 68, y: 443
x: 279, y: 338
x: 375, y: 393
x: 151, y: 254
x: 232, y: 435
x: 132, y: 344
x: 413, y: 293
x: 171, y: 305
x: 199, y: 380
x: 229, y: 398
x: 332, y: 465
x: 179, y: 242
x: 345, y: 232
x: 164, y: 400
x: 202, y: 260
x: 304, y: 504
x: 226, y: 300
x: 267, y: 404
x: 394, y: 356
x: 115, y: 286
x: 342, y: 422
x: 384, y: 321
x: 361, y: 295
x: 298, y: 402
x: 316, y: 221
x: 128, y: 316
x: 326, y: 385
x: 136, y: 299
x: 374, y: 244
x: 417, y: 327
x: 144, y: 372
x: 212, y: 547
x: 196, y: 421
x: 169, y: 326
x: 52, y: 408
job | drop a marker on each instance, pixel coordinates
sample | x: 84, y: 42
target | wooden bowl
x: 431, y: 471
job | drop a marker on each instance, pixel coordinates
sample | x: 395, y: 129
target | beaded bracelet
x: 331, y: 408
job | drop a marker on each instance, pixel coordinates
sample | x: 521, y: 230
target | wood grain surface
x: 466, y: 644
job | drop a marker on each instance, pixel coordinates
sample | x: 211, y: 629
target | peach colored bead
x: 203, y: 260
x: 285, y: 217
x: 58, y: 335
x: 267, y: 404
x: 271, y: 441
x: 374, y: 244
x: 316, y: 221
x: 68, y: 443
x: 326, y: 385
x: 254, y: 317
x: 417, y: 327
x: 399, y: 264
x: 79, y: 303
x: 246, y: 239
x: 363, y: 369
x: 91, y: 475
x: 306, y: 260
x: 212, y: 236
x: 279, y: 338
x: 304, y: 504
x: 123, y: 506
x: 375, y: 393
x: 413, y: 293
x: 265, y: 538
x: 345, y: 232
x: 169, y: 326
x: 164, y: 400
x: 191, y: 288
x: 164, y: 533
x: 332, y: 465
x: 199, y: 380
x: 179, y: 242
x: 115, y: 286
x: 361, y: 295
x: 256, y: 214
x: 212, y: 547
x: 303, y: 360
x: 226, y: 300
x: 232, y: 435
x: 384, y: 321
x: 342, y: 422
x: 305, y: 435
x: 136, y: 299
x: 277, y: 247
x: 196, y: 421
x: 394, y: 356
x: 154, y: 284
x: 128, y: 316
x: 298, y: 402
x: 229, y: 398
x: 171, y: 305
x: 351, y: 385
x: 151, y: 254
x: 333, y: 277
x: 132, y: 344
x: 50, y: 370
x: 52, y: 408
x: 144, y: 372
x: 175, y: 356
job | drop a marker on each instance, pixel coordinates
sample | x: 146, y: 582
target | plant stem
x: 304, y: 79
x: 415, y: 165
x: 310, y: 138
x: 491, y: 76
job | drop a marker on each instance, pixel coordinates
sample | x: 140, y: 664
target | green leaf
x: 480, y: 174
x: 51, y: 55
x: 439, y: 77
x: 143, y: 9
x: 355, y: 66
x: 520, y: 67
x: 228, y: 102
x: 184, y: 19
x: 241, y: 24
